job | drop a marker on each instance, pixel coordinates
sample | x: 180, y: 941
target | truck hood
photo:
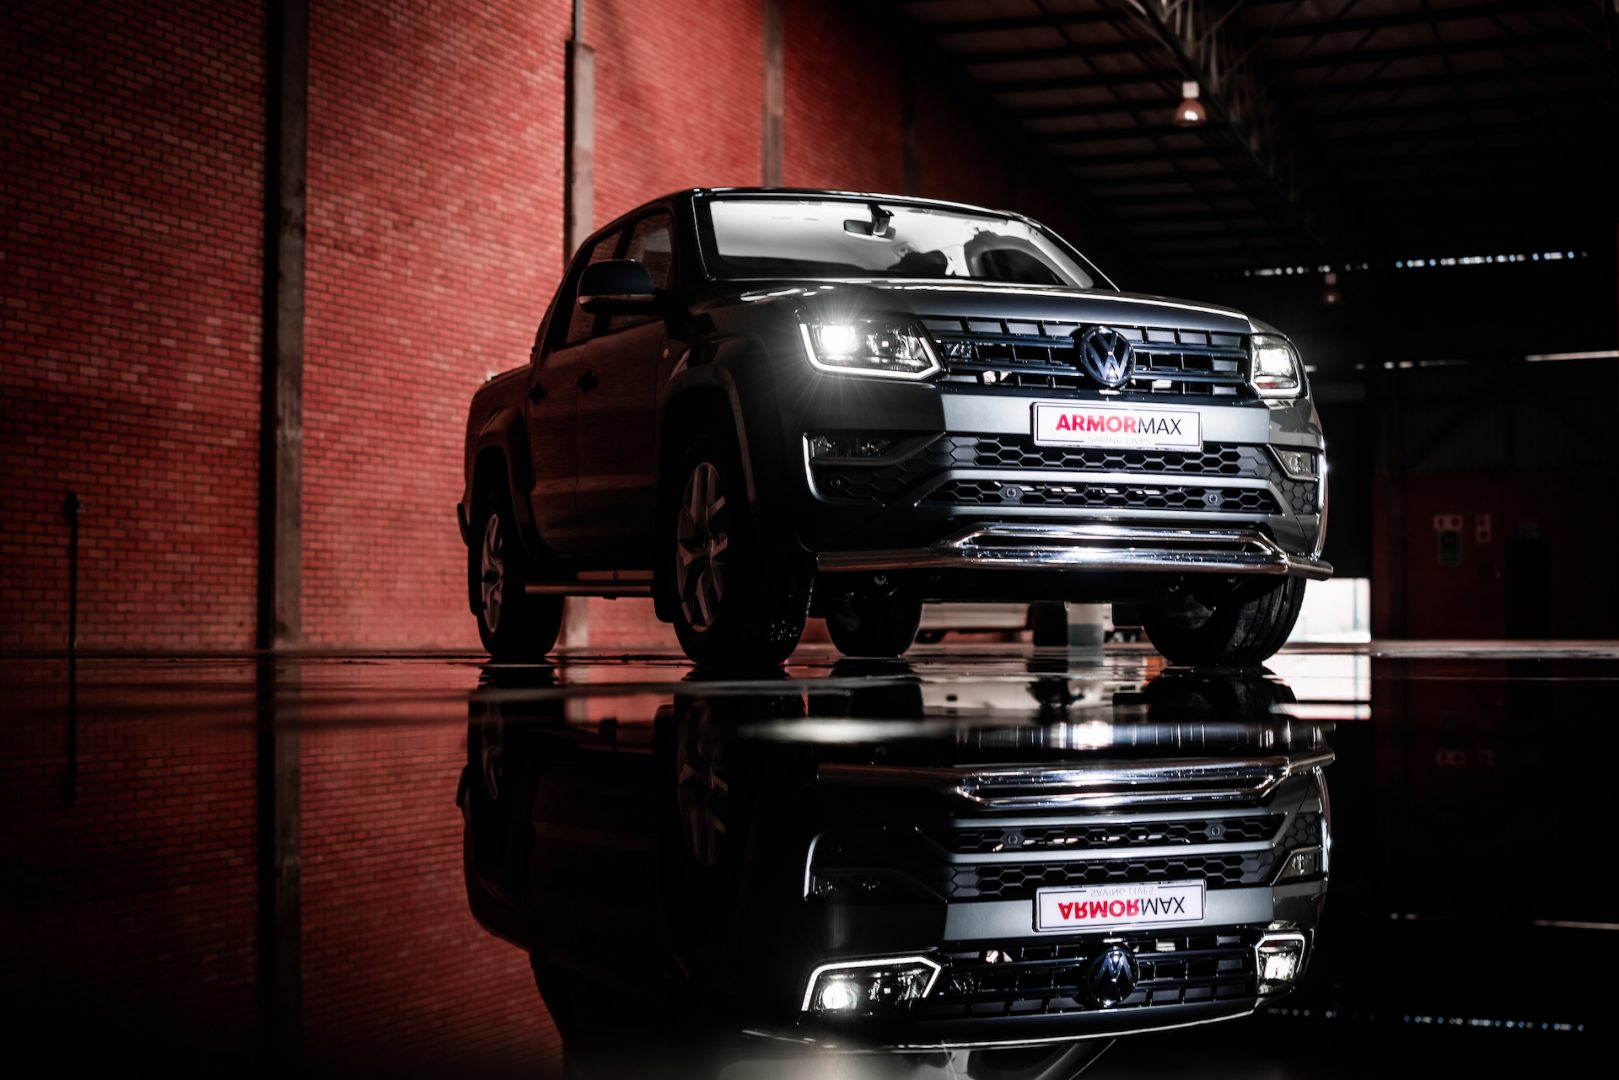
x: 983, y: 299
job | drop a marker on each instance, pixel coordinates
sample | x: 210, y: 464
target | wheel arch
x: 501, y: 447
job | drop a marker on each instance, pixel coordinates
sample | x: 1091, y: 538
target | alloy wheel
x: 492, y: 582
x: 700, y: 546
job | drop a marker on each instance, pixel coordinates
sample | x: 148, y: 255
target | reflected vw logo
x: 1106, y: 356
x: 1112, y: 976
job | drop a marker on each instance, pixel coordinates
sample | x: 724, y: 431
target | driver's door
x: 551, y: 405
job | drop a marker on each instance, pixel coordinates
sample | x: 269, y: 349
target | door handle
x: 587, y: 382
x: 536, y: 393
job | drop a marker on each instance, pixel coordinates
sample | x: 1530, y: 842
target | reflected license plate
x: 1111, y: 907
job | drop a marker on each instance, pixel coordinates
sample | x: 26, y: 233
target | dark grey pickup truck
x: 759, y: 405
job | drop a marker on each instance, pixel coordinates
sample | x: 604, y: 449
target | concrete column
x: 580, y: 195
x: 281, y: 425
x: 770, y: 150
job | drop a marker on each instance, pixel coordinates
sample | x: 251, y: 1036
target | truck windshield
x: 785, y: 238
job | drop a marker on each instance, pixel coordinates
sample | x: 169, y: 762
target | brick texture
x: 435, y: 181
x: 841, y: 124
x: 131, y: 230
x: 131, y: 237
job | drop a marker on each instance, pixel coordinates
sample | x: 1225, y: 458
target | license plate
x: 1141, y: 427
x: 1109, y: 907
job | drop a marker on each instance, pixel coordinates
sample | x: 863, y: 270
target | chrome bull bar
x: 1004, y: 546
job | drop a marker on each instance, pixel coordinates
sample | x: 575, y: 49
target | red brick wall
x: 435, y: 179
x: 131, y: 227
x: 131, y: 239
x: 678, y: 97
x: 841, y: 124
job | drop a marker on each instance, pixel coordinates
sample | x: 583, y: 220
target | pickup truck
x: 755, y: 406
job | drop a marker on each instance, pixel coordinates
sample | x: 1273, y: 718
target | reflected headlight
x: 864, y: 987
x: 887, y: 348
x: 1274, y: 368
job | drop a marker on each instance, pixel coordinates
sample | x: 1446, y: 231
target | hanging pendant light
x: 1191, y: 112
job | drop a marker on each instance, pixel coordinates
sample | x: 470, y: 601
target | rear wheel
x: 1245, y: 625
x: 512, y: 624
x: 736, y: 602
x: 878, y: 620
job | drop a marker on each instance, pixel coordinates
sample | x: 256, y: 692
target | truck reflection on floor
x: 1005, y: 878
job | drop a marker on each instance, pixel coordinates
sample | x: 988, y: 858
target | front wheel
x: 873, y: 622
x: 736, y: 602
x: 1243, y: 624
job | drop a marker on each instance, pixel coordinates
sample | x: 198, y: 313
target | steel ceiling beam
x: 1218, y: 53
x: 1414, y: 82
x: 1517, y: 101
x: 1098, y: 108
x: 992, y: 25
x: 1500, y: 44
x: 1143, y: 157
x: 1360, y: 23
x: 1057, y: 52
x: 1110, y: 134
x: 1079, y: 82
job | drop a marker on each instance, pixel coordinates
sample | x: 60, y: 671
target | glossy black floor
x: 226, y: 861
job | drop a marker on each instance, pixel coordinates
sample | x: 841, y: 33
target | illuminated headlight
x: 863, y: 987
x: 1279, y: 959
x: 1274, y: 367
x: 894, y: 350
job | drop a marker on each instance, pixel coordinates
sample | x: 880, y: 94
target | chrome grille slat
x: 1037, y: 353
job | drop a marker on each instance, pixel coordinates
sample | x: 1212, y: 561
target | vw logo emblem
x: 1112, y: 976
x: 1106, y: 356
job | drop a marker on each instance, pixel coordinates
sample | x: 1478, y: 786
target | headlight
x: 893, y: 350
x: 864, y: 987
x: 1274, y: 368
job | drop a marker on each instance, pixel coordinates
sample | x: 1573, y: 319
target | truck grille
x: 883, y: 482
x: 1018, y: 881
x: 1021, y: 452
x: 1172, y: 969
x: 1104, y: 496
x: 1107, y: 837
x: 1040, y: 353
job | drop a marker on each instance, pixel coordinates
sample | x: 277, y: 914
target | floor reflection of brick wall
x: 137, y: 906
x: 135, y: 910
x: 393, y: 961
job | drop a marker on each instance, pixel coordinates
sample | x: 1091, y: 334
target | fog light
x: 848, y: 446
x: 1298, y: 463
x: 863, y: 987
x: 1306, y: 862
x: 1278, y: 958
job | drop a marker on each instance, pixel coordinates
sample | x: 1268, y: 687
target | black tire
x: 750, y: 610
x: 515, y: 626
x: 874, y: 621
x: 1246, y: 626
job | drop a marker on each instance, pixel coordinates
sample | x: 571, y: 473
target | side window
x: 651, y: 245
x: 582, y: 324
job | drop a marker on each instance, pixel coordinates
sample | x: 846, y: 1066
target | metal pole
x: 70, y: 784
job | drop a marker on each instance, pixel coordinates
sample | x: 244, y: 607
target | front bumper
x: 1035, y: 546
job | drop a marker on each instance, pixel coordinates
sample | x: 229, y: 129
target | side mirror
x: 617, y: 287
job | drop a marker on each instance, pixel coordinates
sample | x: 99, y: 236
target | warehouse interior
x: 256, y: 259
